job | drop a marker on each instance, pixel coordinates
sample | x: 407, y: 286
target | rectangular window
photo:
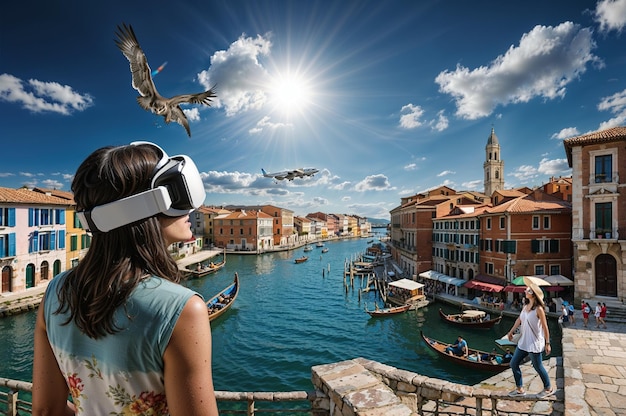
x: 7, y: 217
x: 502, y: 223
x: 535, y: 222
x: 539, y: 269
x: 488, y: 244
x: 546, y: 222
x: 555, y: 269
x: 488, y: 223
x: 7, y: 245
x: 604, y: 218
x: 489, y: 268
x: 77, y: 223
x: 509, y: 246
x: 544, y: 246
x: 604, y: 169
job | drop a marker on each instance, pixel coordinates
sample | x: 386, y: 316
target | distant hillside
x: 378, y: 221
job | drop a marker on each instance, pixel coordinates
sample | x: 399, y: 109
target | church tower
x: 493, y: 166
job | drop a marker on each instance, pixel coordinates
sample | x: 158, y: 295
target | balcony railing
x: 597, y: 234
x: 230, y: 403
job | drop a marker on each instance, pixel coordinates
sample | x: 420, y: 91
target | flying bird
x: 149, y: 98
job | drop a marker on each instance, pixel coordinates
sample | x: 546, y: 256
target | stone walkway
x: 594, y: 361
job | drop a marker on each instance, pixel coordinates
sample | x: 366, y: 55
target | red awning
x: 485, y: 287
x: 514, y: 289
x: 554, y: 288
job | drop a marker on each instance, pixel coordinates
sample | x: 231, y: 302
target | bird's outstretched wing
x: 139, y: 68
x: 200, y: 98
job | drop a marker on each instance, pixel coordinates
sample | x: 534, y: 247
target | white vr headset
x: 176, y: 190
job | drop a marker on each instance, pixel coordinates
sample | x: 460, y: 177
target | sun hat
x: 534, y: 287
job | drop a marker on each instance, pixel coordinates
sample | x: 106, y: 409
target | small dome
x: 493, y: 139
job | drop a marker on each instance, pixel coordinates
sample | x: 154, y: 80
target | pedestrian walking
x: 586, y: 308
x: 571, y: 313
x: 603, y: 315
x: 597, y: 314
x: 534, y: 339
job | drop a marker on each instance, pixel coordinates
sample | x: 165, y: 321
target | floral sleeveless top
x: 120, y: 374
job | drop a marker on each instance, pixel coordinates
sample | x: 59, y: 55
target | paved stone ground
x: 594, y: 361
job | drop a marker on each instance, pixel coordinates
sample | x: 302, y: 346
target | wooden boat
x: 388, y: 311
x: 319, y: 244
x: 405, y: 291
x: 473, y: 360
x: 471, y: 318
x: 301, y: 259
x: 503, y: 342
x: 325, y: 250
x: 308, y: 248
x: 204, y: 268
x: 221, y: 302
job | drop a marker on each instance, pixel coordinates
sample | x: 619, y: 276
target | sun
x: 290, y: 93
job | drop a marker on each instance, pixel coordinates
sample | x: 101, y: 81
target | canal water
x: 289, y: 317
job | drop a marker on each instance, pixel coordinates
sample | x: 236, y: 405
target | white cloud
x: 39, y: 96
x: 265, y: 123
x: 471, y: 185
x: 373, y: 183
x: 565, y: 133
x: 446, y: 172
x: 611, y: 15
x: 410, y: 166
x: 616, y: 104
x: 441, y: 123
x: 545, y: 61
x: 554, y: 167
x: 239, y: 75
x: 525, y: 173
x: 192, y: 114
x: 410, y: 116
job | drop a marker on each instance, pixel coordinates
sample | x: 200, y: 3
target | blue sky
x: 385, y: 98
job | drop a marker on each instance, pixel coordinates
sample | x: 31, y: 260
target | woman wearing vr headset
x: 117, y: 332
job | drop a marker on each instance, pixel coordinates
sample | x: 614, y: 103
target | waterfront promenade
x: 591, y: 379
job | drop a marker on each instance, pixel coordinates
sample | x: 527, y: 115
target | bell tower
x: 493, y: 166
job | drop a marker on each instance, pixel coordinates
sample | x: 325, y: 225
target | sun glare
x: 290, y: 93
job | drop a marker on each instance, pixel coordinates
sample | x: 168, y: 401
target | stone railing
x: 364, y: 387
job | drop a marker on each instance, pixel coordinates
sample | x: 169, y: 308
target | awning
x: 452, y: 280
x: 430, y: 274
x: 406, y: 284
x: 554, y: 288
x: 514, y: 289
x: 485, y: 287
x: 433, y: 275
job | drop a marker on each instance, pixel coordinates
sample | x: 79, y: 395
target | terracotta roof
x: 536, y: 201
x: 613, y: 134
x: 56, y: 192
x: 26, y: 196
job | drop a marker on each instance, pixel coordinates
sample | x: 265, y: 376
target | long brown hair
x: 118, y: 259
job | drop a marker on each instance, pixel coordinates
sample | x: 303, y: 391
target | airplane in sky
x: 290, y: 174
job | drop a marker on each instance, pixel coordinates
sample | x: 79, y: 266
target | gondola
x: 301, y: 259
x: 473, y: 360
x: 470, y: 319
x: 221, y: 302
x: 388, y: 311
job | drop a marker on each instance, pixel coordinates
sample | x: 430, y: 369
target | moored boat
x: 319, y: 244
x: 470, y: 319
x: 494, y: 362
x: 221, y: 302
x: 325, y: 250
x: 377, y: 312
x: 301, y: 259
x: 405, y: 291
